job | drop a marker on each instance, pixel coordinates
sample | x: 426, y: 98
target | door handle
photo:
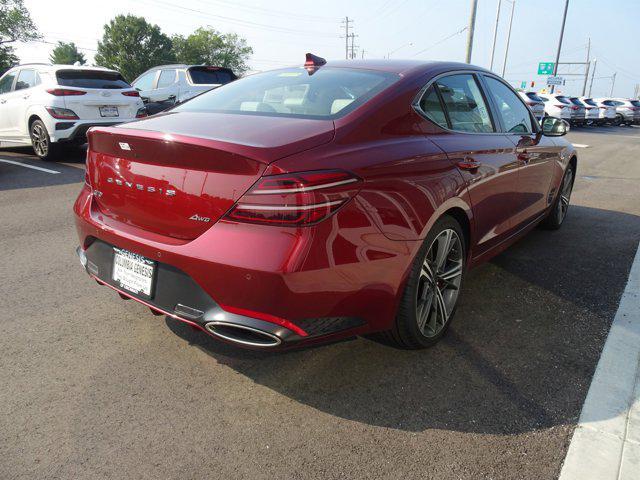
x: 469, y: 164
x: 3, y: 101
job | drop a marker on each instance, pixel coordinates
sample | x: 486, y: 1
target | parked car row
x: 584, y: 110
x: 47, y: 106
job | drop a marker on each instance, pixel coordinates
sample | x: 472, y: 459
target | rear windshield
x: 534, y: 97
x: 91, y: 79
x: 324, y: 93
x: 562, y: 99
x: 210, y: 75
x: 576, y: 101
x: 588, y: 101
x: 635, y: 103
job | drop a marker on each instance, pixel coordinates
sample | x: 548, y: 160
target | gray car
x: 167, y: 85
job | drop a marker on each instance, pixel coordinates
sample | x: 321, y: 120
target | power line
x: 272, y: 12
x: 441, y: 41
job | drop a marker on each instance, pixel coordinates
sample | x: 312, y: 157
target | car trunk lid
x: 178, y: 185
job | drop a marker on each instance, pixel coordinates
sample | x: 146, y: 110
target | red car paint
x: 351, y: 264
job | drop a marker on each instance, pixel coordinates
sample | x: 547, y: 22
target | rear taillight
x: 559, y: 105
x: 62, y: 113
x: 141, y: 113
x: 132, y: 93
x: 296, y: 199
x: 65, y: 92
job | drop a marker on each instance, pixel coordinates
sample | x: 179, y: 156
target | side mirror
x: 554, y: 127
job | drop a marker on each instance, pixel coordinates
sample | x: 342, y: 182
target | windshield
x: 210, y: 75
x: 91, y: 79
x: 294, y: 92
x: 534, y: 97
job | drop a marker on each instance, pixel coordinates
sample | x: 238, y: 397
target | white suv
x: 47, y: 105
x: 164, y: 86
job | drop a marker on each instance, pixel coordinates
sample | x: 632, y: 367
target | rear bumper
x: 302, y: 285
x: 70, y: 131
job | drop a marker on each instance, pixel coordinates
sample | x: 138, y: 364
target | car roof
x: 55, y: 67
x: 403, y: 67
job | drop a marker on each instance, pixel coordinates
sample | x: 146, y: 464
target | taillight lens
x: 559, y: 105
x: 65, y: 92
x: 62, y: 113
x: 142, y: 112
x: 132, y: 93
x: 297, y: 199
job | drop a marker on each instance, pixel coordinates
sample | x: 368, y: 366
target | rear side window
x: 210, y: 75
x: 27, y: 79
x: 167, y: 78
x: 91, y: 79
x: 7, y: 82
x: 609, y: 103
x: 432, y: 108
x: 513, y: 112
x: 464, y: 104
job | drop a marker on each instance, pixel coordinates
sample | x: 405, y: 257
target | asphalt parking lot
x: 96, y: 387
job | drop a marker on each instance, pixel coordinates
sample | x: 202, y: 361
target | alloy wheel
x: 565, y: 194
x: 439, y: 283
x: 39, y: 140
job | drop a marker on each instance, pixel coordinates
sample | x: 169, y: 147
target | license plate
x: 109, y: 111
x: 133, y: 272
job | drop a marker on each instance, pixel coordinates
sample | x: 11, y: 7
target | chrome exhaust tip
x: 242, y: 334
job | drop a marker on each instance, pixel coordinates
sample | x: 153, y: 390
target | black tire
x: 41, y: 142
x: 560, y: 206
x: 406, y: 333
x: 618, y: 120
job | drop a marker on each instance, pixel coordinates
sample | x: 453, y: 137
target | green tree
x: 131, y: 45
x: 15, y: 22
x: 7, y: 58
x: 210, y: 47
x: 67, y: 54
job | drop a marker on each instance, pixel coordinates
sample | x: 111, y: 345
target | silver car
x: 167, y: 85
x: 627, y: 110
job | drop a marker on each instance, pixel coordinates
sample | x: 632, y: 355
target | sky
x: 282, y: 31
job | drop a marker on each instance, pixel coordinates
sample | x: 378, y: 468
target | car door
x: 166, y: 90
x: 484, y: 156
x: 536, y: 154
x: 6, y: 90
x: 19, y: 102
x: 145, y: 83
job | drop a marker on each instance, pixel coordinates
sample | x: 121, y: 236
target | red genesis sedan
x: 308, y: 204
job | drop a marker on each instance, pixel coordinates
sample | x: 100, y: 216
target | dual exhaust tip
x: 242, y: 334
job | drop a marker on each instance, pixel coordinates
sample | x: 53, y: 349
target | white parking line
x: 606, y: 442
x: 580, y: 145
x: 28, y: 166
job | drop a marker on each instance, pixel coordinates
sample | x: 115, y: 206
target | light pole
x: 495, y: 35
x: 564, y: 20
x: 593, y: 74
x: 472, y: 26
x: 506, y: 51
x: 613, y: 83
x: 410, y: 44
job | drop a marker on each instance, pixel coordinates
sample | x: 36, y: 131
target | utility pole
x: 495, y: 35
x: 346, y: 22
x: 472, y: 26
x: 613, y: 82
x: 362, y: 53
x: 506, y: 51
x: 593, y: 74
x: 586, y: 72
x: 353, y: 47
x: 564, y: 20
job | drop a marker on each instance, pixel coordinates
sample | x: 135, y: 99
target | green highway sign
x: 523, y: 85
x: 546, y: 68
